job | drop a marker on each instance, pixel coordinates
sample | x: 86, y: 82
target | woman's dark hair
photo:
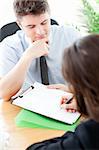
x: 27, y: 7
x: 80, y: 68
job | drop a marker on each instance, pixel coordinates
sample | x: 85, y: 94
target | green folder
x: 29, y: 119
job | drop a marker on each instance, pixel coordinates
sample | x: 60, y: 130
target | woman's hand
x: 71, y: 106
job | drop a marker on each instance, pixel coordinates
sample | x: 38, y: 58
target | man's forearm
x: 11, y: 83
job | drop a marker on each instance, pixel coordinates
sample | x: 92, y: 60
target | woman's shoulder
x: 88, y: 133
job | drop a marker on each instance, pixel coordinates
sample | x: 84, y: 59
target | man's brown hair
x: 27, y: 7
x: 81, y: 69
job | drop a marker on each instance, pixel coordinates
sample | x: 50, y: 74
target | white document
x: 46, y: 102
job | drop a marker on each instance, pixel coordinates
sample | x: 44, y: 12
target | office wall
x: 6, y: 12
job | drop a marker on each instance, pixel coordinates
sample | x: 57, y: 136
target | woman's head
x: 81, y: 69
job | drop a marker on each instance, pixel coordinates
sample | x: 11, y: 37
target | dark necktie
x: 44, y: 70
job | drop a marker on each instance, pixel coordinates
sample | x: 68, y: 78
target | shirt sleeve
x: 9, y: 55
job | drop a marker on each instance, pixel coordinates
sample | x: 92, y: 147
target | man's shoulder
x: 66, y: 29
x: 14, y: 42
x: 64, y: 33
x: 15, y: 38
x: 62, y: 27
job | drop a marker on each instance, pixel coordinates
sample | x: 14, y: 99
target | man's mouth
x: 40, y: 37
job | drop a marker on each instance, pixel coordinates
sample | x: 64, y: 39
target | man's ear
x: 19, y: 24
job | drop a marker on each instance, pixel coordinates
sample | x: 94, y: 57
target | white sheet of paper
x: 46, y: 102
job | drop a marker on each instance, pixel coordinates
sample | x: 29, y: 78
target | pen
x: 69, y: 100
x: 66, y: 101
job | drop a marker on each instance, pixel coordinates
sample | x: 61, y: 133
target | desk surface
x: 21, y: 138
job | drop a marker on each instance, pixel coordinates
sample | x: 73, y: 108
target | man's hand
x: 36, y: 49
x: 59, y: 87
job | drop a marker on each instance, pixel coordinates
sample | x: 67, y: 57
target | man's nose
x: 39, y: 30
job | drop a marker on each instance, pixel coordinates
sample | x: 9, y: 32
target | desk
x: 21, y: 138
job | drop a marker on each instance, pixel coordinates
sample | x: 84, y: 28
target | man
x: 19, y: 53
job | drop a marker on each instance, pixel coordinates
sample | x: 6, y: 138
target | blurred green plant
x: 92, y: 17
x: 97, y: 1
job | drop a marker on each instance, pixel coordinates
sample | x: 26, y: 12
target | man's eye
x: 43, y: 23
x: 31, y: 27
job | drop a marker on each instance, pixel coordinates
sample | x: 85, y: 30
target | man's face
x: 36, y: 27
